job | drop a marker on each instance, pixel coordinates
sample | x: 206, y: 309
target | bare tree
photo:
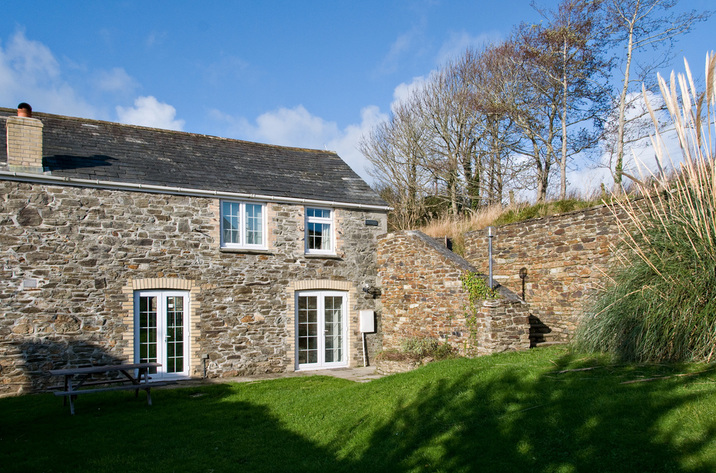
x: 396, y: 151
x: 445, y: 111
x: 497, y: 144
x: 532, y: 102
x: 572, y: 53
x: 635, y: 26
x: 563, y: 69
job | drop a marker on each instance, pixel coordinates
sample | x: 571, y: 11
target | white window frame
x: 322, y: 220
x: 242, y: 226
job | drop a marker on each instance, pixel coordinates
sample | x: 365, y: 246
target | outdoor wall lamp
x: 490, y: 235
x: 372, y: 290
x: 523, y: 276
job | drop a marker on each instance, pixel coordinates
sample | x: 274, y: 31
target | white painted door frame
x: 321, y: 329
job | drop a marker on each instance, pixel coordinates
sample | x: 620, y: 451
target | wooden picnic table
x: 76, y: 380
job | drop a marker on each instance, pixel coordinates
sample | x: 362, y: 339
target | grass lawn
x: 509, y: 412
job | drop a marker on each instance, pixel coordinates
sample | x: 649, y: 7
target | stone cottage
x: 214, y: 257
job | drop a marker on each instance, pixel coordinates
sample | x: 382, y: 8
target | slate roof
x: 91, y: 149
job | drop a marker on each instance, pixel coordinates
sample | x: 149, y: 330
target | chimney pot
x: 24, y: 110
x: 24, y: 141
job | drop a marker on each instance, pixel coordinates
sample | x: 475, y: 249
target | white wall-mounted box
x: 367, y: 321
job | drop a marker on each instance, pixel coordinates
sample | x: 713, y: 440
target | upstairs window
x: 319, y: 231
x: 243, y: 225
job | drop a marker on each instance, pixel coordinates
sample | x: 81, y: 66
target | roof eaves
x: 149, y: 188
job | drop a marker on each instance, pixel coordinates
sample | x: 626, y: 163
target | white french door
x: 321, y: 329
x: 161, y: 320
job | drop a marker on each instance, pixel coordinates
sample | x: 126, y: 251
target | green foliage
x: 477, y: 291
x: 477, y: 288
x: 544, y: 209
x: 661, y: 305
x: 528, y: 411
x: 427, y: 347
x: 520, y: 214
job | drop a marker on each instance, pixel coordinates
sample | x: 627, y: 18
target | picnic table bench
x: 76, y: 380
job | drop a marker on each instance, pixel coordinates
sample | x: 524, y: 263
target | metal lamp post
x: 490, y: 235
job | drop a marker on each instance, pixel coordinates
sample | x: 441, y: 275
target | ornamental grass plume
x: 661, y: 303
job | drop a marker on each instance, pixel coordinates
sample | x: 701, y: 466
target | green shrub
x: 544, y: 209
x: 426, y: 347
x: 520, y: 214
x: 661, y: 303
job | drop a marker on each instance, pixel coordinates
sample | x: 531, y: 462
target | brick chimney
x: 24, y: 141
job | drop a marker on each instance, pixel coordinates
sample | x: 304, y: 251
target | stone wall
x: 422, y: 296
x: 72, y: 257
x: 503, y: 325
x: 566, y: 257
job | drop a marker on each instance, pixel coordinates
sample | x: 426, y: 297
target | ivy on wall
x: 477, y: 291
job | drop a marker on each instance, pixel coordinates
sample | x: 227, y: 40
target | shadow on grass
x: 550, y: 422
x: 456, y: 416
x: 192, y: 430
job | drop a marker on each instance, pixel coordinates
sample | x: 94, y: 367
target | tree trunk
x: 563, y: 162
x: 621, y: 119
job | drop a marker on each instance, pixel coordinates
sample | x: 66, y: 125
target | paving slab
x: 359, y: 375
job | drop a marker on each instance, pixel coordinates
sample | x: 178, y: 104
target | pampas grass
x: 661, y: 304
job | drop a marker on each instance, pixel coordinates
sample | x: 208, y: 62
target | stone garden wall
x: 72, y: 257
x: 566, y: 257
x: 422, y: 296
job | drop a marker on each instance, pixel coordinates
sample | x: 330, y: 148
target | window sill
x: 321, y: 256
x: 247, y: 251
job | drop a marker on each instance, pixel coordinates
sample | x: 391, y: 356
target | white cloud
x: 346, y: 144
x: 116, y: 80
x: 404, y: 90
x: 400, y: 46
x: 458, y: 42
x: 29, y: 72
x: 293, y: 127
x: 30, y: 59
x: 155, y: 38
x: 411, y: 40
x: 299, y: 128
x: 588, y: 181
x: 148, y: 111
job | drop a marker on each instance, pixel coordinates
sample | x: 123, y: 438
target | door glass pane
x: 307, y: 329
x: 148, y: 330
x: 333, y: 329
x: 175, y: 334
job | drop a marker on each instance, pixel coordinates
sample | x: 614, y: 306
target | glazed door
x: 321, y: 329
x: 161, y: 335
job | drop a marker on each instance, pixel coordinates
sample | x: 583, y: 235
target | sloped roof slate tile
x: 89, y: 149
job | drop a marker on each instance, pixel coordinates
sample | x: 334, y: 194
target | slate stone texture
x: 422, y: 297
x: 71, y: 255
x: 567, y: 258
x: 92, y: 149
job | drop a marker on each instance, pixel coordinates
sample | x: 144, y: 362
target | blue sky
x: 316, y: 74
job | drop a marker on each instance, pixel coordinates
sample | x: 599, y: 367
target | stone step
x: 549, y: 344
